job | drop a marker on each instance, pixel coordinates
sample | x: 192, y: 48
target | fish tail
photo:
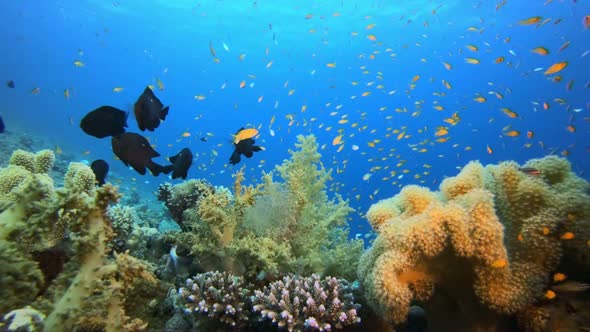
x: 157, y: 169
x: 164, y: 113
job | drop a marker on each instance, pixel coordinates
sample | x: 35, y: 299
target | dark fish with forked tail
x: 135, y: 151
x: 149, y: 110
x: 181, y: 163
x: 244, y: 147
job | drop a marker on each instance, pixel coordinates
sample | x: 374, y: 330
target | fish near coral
x: 149, y: 110
x: 181, y: 163
x: 100, y: 169
x: 135, y: 151
x: 244, y: 147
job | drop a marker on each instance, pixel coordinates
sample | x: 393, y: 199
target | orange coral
x: 488, y: 238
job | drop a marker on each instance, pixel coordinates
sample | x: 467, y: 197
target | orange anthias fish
x: 586, y: 22
x: 245, y: 134
x: 530, y: 20
x: 555, y: 68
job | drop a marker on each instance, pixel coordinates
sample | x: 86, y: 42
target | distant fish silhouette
x: 2, y: 127
x: 135, y: 151
x: 149, y: 110
x: 100, y: 169
x: 104, y: 121
x: 10, y: 84
x: 181, y: 163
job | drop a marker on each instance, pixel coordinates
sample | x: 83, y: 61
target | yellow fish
x: 78, y: 63
x: 245, y: 134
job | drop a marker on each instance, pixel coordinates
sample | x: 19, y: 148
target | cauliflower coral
x: 481, y: 248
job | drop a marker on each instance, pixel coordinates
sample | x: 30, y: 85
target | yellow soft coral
x: 382, y: 211
x: 23, y: 168
x: 488, y: 240
x: 80, y: 179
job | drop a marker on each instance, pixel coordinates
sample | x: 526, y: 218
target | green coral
x: 20, y: 278
x: 89, y: 290
x: 274, y: 226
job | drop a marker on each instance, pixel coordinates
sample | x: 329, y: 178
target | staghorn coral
x: 220, y: 296
x: 486, y: 243
x: 310, y: 304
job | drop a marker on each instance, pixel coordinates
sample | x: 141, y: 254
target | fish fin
x: 164, y: 113
x: 239, y: 131
x: 157, y: 169
x: 256, y: 148
x: 235, y: 157
x: 139, y: 169
x: 248, y: 153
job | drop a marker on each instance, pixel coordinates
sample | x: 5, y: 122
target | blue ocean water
x: 371, y: 71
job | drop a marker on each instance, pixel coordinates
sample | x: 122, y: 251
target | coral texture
x: 270, y: 228
x: 220, y: 296
x: 487, y: 242
x: 307, y: 304
x: 43, y: 227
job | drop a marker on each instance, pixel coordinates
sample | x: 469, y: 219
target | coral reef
x: 310, y: 304
x: 56, y: 255
x: 267, y: 229
x: 220, y: 296
x: 481, y: 248
x: 23, y: 168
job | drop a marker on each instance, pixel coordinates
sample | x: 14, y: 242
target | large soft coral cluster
x: 220, y: 296
x: 270, y: 228
x: 311, y: 304
x: 486, y: 243
x: 55, y: 249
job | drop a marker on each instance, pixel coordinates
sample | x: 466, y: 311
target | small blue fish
x: 1, y: 125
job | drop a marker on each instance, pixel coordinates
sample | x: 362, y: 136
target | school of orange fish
x: 349, y: 124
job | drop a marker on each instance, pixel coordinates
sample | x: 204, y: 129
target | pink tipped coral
x: 218, y: 295
x: 310, y: 304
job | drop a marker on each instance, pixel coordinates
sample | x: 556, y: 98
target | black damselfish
x: 149, y: 110
x: 244, y: 147
x: 135, y: 151
x: 100, y: 169
x: 181, y: 163
x: 104, y: 121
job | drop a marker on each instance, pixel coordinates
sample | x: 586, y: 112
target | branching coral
x: 270, y: 227
x: 488, y: 241
x: 220, y: 296
x: 310, y: 304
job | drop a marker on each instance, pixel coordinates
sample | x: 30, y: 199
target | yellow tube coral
x: 486, y: 242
